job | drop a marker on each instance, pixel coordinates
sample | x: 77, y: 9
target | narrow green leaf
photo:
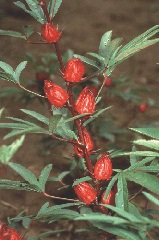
x: 87, y: 60
x: 60, y: 176
x: 6, y: 76
x: 7, y: 152
x: 154, y: 144
x: 36, y: 115
x: 110, y: 185
x: 133, y: 158
x: 150, y: 132
x: 11, y: 34
x: 105, y: 40
x: 95, y: 115
x: 1, y: 112
x: 146, y: 180
x: 53, y: 123
x: 154, y: 169
x: 21, y: 121
x: 141, y: 153
x: 151, y: 198
x: 7, y: 68
x: 18, y: 70
x: 140, y: 163
x: 65, y: 132
x: 72, y: 119
x: 83, y: 179
x: 43, y: 178
x: 121, y: 198
x: 53, y: 7
x: 25, y: 173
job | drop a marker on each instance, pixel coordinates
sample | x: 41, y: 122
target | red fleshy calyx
x: 56, y: 95
x: 85, y: 192
x: 50, y: 33
x: 107, y: 81
x: 85, y: 103
x: 89, y: 144
x: 103, y: 167
x: 143, y: 107
x: 7, y: 233
x: 110, y: 200
x: 74, y: 70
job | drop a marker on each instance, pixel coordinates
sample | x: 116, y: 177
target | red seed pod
x: 103, y: 167
x: 89, y: 144
x: 110, y: 200
x: 56, y: 95
x: 143, y: 107
x: 85, y: 192
x: 74, y: 70
x: 7, y: 233
x: 85, y: 103
x: 50, y: 33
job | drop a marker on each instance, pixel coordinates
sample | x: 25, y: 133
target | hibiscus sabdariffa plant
x: 101, y: 193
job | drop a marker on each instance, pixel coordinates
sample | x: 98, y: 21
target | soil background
x: 83, y: 23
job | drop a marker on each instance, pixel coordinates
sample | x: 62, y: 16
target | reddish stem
x: 43, y: 5
x: 59, y: 56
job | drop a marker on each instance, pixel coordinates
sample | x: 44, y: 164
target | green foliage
x: 7, y: 152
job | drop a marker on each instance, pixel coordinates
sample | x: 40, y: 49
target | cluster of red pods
x: 84, y: 104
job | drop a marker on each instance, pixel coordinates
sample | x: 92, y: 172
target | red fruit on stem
x: 50, y: 33
x: 143, y: 107
x: 89, y: 144
x: 103, y: 167
x: 7, y: 233
x: 85, y: 102
x: 110, y: 200
x: 74, y: 70
x: 56, y: 95
x: 85, y: 192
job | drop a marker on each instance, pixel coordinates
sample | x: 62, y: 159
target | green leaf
x: 146, y: 180
x: 141, y: 153
x: 83, y: 179
x: 151, y: 198
x: 154, y: 144
x: 1, y: 112
x: 7, y: 68
x: 110, y: 185
x: 105, y: 40
x: 25, y: 173
x: 151, y: 132
x: 121, y: 198
x: 53, y: 7
x: 10, y: 91
x: 65, y: 132
x: 87, y: 60
x: 21, y: 121
x: 140, y: 163
x: 95, y: 115
x: 133, y: 158
x: 18, y: 70
x: 36, y: 10
x: 44, y: 177
x: 154, y: 169
x: 7, y: 152
x: 53, y: 123
x: 11, y: 34
x: 17, y: 185
x: 36, y: 115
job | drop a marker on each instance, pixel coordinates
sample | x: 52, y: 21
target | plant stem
x: 43, y: 5
x: 59, y: 56
x: 78, y: 122
x: 65, y: 199
x: 27, y: 90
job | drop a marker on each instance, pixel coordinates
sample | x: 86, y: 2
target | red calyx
x: 143, y: 107
x: 85, y: 192
x: 89, y: 144
x: 110, y: 200
x: 103, y: 167
x: 50, y: 33
x: 7, y: 233
x: 56, y: 95
x: 74, y: 70
x: 85, y: 103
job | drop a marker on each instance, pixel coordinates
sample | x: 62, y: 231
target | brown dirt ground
x: 83, y: 24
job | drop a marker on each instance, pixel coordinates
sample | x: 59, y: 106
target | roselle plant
x: 102, y: 197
